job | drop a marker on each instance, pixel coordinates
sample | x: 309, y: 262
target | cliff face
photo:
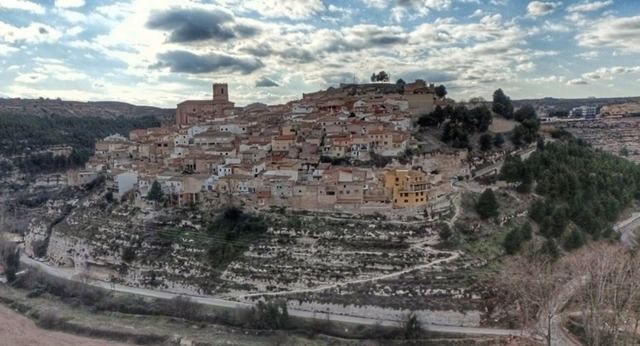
x: 117, y: 242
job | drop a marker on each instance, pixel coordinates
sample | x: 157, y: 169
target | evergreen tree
x: 574, y: 240
x: 485, y: 142
x: 487, y: 205
x: 512, y: 169
x: 513, y: 241
x: 445, y: 232
x: 550, y: 248
x: 155, y: 193
x: 441, y: 91
x: 498, y: 140
x: 502, y: 104
x: 525, y: 112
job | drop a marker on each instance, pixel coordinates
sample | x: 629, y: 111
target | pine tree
x: 487, y: 205
x: 574, y: 240
x: 155, y: 193
x: 513, y: 241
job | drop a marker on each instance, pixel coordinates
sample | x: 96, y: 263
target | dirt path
x: 453, y: 256
x: 17, y: 330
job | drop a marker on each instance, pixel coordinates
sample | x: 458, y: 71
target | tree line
x: 459, y: 123
x: 584, y: 190
x: 27, y: 135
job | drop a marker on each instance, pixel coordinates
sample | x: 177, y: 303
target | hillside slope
x: 57, y: 107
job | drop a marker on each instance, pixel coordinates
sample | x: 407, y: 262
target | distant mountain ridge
x: 568, y: 103
x: 101, y: 109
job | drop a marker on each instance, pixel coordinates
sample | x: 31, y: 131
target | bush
x: 513, y: 241
x: 411, y: 327
x: 485, y: 142
x: 50, y: 320
x: 268, y: 315
x: 182, y: 307
x: 10, y: 257
x: 550, y: 248
x: 128, y: 254
x: 231, y: 233
x: 444, y: 231
x: 574, y: 240
x: 527, y: 231
x: 487, y: 205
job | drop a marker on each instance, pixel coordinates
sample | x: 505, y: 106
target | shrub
x: 50, y: 320
x: 444, y: 231
x: 574, y: 240
x: 513, y: 241
x: 10, y: 257
x: 128, y: 254
x: 487, y: 205
x: 411, y: 327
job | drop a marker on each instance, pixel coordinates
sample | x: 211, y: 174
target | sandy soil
x: 17, y: 330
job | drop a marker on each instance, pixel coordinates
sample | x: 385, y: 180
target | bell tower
x: 220, y: 93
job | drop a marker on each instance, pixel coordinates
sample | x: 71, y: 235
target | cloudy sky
x: 156, y: 52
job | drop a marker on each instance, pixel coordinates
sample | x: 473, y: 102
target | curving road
x: 70, y: 274
x: 559, y: 337
x: 627, y: 230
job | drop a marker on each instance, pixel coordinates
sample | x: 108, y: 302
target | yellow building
x: 408, y: 187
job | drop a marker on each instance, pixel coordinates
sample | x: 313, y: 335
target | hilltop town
x: 347, y: 147
x: 364, y: 201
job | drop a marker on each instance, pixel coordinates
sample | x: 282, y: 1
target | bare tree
x: 533, y: 283
x: 609, y: 296
x: 602, y: 283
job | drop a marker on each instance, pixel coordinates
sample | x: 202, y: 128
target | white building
x: 126, y: 182
x: 584, y: 111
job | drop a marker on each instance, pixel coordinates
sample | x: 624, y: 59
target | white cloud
x: 540, y: 8
x: 30, y: 78
x: 548, y: 79
x: 589, y: 6
x: 609, y: 73
x: 577, y: 81
x: 379, y: 4
x: 69, y: 3
x: 50, y: 69
x: 477, y: 14
x: 613, y: 32
x: 74, y: 31
x: 7, y: 50
x: 591, y: 55
x: 33, y: 33
x: 294, y: 9
x: 23, y: 5
x: 526, y: 67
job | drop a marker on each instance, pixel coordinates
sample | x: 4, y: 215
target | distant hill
x: 567, y: 104
x: 57, y: 107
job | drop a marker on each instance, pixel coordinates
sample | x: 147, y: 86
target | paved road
x: 627, y: 230
x: 559, y: 337
x: 70, y: 274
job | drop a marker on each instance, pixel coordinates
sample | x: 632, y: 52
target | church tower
x: 220, y: 93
